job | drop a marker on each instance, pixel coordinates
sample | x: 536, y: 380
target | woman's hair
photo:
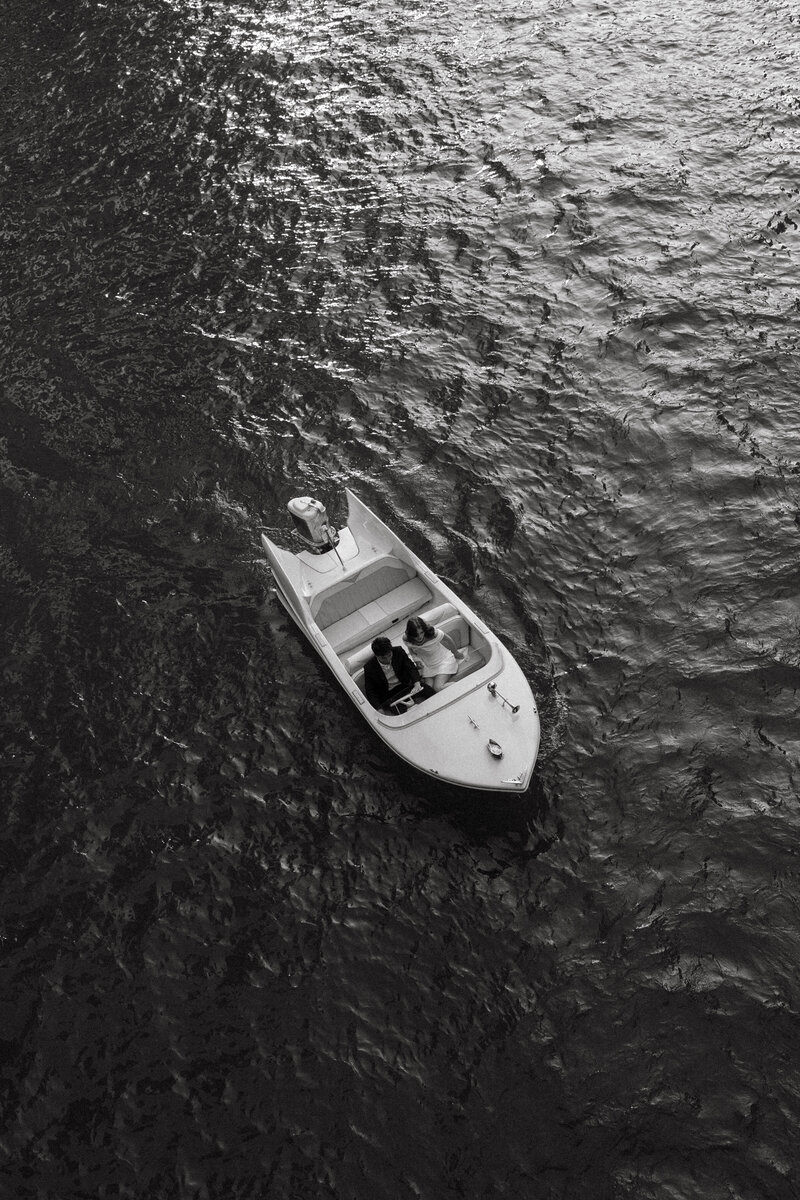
x: 417, y: 628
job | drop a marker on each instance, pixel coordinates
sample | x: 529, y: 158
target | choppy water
x: 524, y: 276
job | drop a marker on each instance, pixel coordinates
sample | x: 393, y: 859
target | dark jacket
x: 375, y: 683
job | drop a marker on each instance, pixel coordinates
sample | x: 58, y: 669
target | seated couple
x: 391, y: 675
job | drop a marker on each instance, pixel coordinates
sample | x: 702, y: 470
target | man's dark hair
x: 381, y: 645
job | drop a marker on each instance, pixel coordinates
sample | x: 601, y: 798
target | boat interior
x: 377, y: 601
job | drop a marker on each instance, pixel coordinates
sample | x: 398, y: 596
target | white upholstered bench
x: 357, y: 610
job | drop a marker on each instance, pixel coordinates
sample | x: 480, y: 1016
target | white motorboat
x: 347, y: 587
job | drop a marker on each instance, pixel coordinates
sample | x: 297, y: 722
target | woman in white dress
x: 434, y: 652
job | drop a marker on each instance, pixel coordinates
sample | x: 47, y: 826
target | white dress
x: 433, y: 657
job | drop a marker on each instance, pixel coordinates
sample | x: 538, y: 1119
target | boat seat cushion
x: 435, y: 616
x: 349, y: 594
x: 375, y: 616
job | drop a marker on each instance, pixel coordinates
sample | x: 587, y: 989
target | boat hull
x: 481, y: 732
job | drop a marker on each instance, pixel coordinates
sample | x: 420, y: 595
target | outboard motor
x: 311, y: 521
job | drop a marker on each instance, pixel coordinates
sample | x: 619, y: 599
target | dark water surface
x: 524, y: 276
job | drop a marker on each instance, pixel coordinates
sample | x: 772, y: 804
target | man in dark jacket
x: 391, y: 674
